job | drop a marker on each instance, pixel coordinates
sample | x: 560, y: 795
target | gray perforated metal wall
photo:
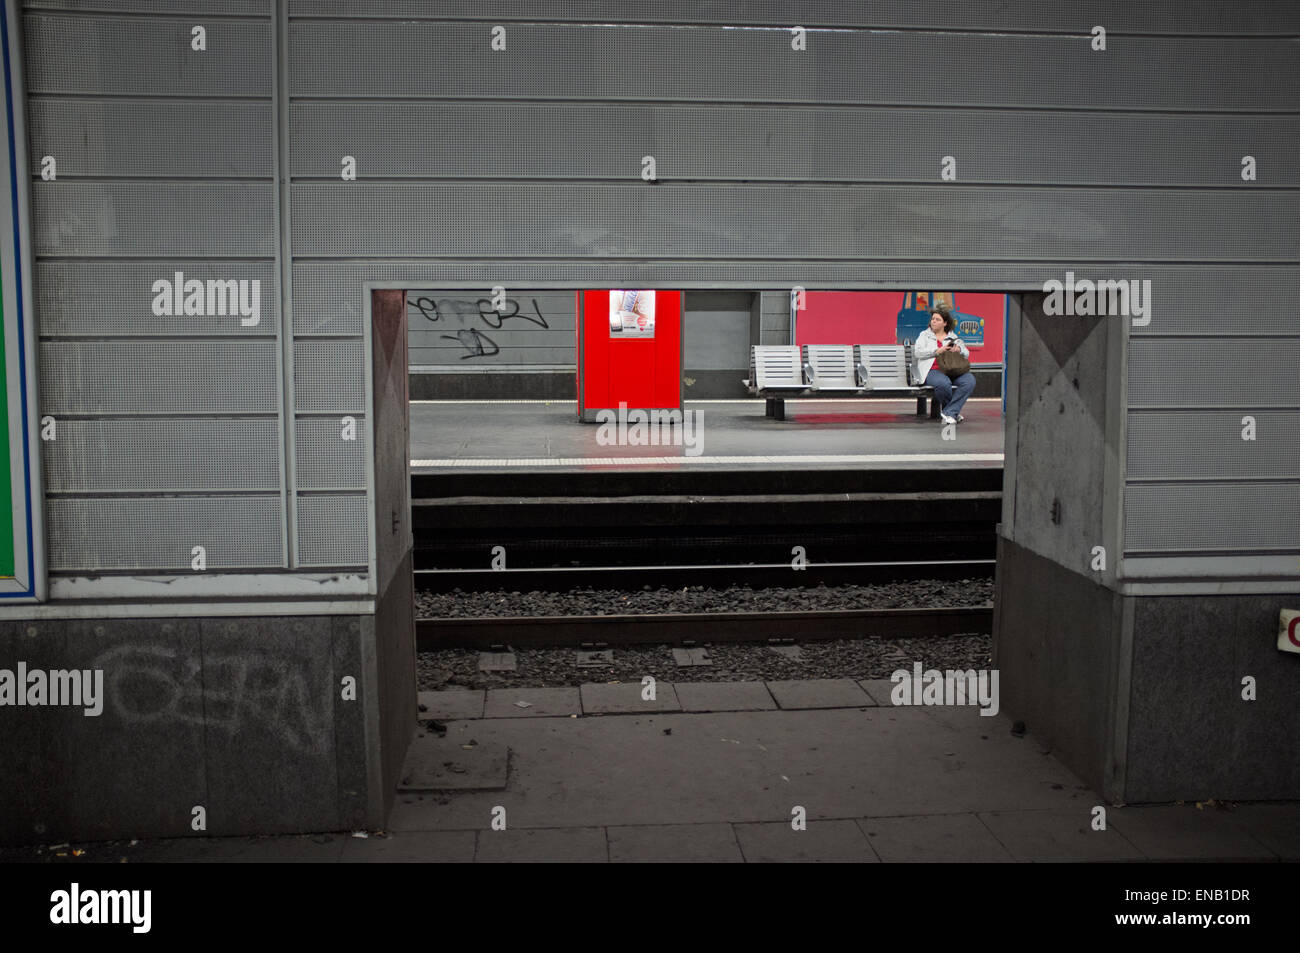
x: 774, y: 167
x: 167, y: 430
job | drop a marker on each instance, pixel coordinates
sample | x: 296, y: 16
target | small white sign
x: 1288, y: 631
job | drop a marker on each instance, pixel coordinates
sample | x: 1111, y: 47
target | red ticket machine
x: 629, y: 350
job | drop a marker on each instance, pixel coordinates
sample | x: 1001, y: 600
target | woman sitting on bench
x: 933, y: 341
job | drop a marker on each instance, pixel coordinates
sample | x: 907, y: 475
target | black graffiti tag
x: 476, y: 343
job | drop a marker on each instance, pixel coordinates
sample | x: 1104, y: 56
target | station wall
x: 315, y: 145
x: 982, y: 146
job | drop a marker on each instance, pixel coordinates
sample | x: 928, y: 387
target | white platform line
x: 708, y: 400
x: 462, y: 462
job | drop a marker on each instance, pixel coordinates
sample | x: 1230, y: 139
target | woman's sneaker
x: 961, y: 418
x: 946, y: 419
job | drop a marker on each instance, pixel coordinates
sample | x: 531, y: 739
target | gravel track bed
x: 591, y: 601
x: 732, y: 662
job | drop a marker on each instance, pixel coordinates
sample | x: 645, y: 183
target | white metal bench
x: 829, y: 371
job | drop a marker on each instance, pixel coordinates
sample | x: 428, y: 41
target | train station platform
x: 727, y: 434
x: 593, y: 774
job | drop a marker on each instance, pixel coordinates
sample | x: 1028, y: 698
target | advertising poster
x: 632, y: 314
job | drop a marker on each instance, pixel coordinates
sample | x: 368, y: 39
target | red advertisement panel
x: 631, y: 349
x: 871, y: 317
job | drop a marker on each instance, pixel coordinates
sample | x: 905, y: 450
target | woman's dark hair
x: 949, y: 322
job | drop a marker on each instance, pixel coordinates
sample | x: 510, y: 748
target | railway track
x: 698, y: 628
x: 756, y: 576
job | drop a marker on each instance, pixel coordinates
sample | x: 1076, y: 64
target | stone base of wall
x: 1142, y: 695
x: 249, y: 719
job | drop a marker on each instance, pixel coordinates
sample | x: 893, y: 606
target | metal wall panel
x: 452, y: 59
x: 238, y: 532
x: 764, y: 143
x: 325, y: 460
x: 110, y: 298
x: 106, y: 55
x: 1212, y: 518
x: 1158, y: 16
x: 332, y: 530
x: 328, y: 296
x: 1246, y: 301
x: 153, y: 219
x: 157, y: 455
x: 774, y: 318
x: 715, y: 330
x: 329, y: 376
x: 1209, y: 445
x: 151, y: 377
x: 1214, y: 373
x: 117, y: 138
x: 175, y: 7
x: 732, y: 221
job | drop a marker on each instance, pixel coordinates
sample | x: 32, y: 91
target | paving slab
x: 537, y: 702
x: 827, y: 842
x: 563, y: 846
x: 878, y: 689
x: 414, y: 847
x: 1058, y: 836
x: 1181, y: 832
x: 690, y: 658
x: 675, y: 844
x: 724, y: 696
x: 748, y: 767
x: 1276, y: 826
x: 497, y: 662
x: 448, y: 764
x: 933, y: 838
x: 819, y: 693
x: 625, y: 698
x: 451, y: 705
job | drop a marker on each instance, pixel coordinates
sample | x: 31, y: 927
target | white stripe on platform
x: 707, y: 400
x: 662, y: 461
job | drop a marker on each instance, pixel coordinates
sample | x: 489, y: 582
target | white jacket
x: 924, y: 349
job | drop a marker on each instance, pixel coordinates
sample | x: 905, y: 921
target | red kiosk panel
x: 630, y: 350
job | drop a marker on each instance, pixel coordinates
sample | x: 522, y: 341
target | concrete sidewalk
x: 596, y: 774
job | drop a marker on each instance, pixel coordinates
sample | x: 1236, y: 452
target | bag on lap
x: 953, y: 363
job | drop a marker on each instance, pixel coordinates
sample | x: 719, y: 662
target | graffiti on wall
x: 471, y: 323
x: 229, y: 693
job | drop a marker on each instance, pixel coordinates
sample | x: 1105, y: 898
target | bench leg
x: 934, y: 408
x: 778, y: 408
x: 920, y: 406
x: 767, y: 409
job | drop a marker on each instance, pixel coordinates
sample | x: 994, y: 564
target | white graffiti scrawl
x: 228, y: 692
